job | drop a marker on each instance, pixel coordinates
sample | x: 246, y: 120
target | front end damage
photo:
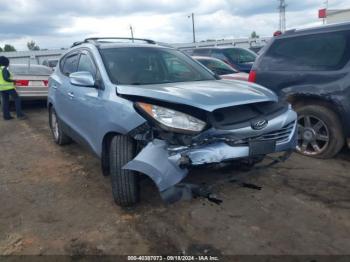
x: 166, y: 157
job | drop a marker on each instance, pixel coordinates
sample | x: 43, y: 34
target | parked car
x: 31, y: 80
x: 239, y: 58
x: 147, y: 109
x: 310, y: 68
x: 222, y: 69
x: 52, y: 63
x: 256, y: 49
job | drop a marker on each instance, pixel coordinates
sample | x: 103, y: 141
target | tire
x: 321, y: 129
x: 58, y: 135
x: 125, y: 186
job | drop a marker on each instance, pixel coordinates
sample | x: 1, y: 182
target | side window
x: 70, y: 64
x: 219, y: 55
x: 201, y: 52
x: 86, y: 64
x: 245, y: 56
x: 314, y: 52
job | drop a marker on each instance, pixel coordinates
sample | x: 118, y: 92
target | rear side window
x: 219, y: 55
x: 218, y: 67
x: 240, y: 55
x: 314, y: 52
x: 201, y: 52
x: 70, y: 64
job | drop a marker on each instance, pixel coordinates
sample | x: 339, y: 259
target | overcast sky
x: 56, y: 24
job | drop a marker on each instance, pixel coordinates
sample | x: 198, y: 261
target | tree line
x: 7, y: 48
x: 31, y: 45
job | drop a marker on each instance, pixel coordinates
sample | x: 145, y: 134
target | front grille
x: 239, y: 116
x: 280, y: 136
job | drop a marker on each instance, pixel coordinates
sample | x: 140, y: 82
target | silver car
x: 31, y: 80
x: 143, y: 108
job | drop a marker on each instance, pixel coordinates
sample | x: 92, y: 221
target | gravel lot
x: 54, y: 200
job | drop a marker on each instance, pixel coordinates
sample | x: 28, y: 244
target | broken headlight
x: 173, y: 120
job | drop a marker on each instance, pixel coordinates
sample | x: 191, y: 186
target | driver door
x: 86, y: 104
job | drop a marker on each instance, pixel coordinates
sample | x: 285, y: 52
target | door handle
x: 71, y: 94
x: 54, y: 86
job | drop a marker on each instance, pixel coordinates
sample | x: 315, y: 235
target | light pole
x: 193, y: 30
x: 132, y: 33
x: 326, y: 7
x: 282, y: 9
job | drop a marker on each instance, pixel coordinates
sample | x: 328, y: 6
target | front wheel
x: 319, y: 132
x: 125, y: 186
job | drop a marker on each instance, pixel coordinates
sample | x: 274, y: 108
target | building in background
x: 250, y: 43
x: 332, y: 16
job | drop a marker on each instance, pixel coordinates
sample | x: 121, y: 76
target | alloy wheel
x: 313, y: 135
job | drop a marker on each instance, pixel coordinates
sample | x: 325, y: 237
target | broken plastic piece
x: 155, y: 162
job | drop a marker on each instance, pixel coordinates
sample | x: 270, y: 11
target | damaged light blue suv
x: 143, y: 108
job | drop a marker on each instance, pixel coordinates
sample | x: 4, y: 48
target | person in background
x: 7, y: 89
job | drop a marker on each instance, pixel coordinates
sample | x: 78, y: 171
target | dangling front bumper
x: 167, y: 165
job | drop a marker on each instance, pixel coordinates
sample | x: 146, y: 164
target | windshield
x: 240, y: 55
x: 145, y: 65
x: 30, y: 70
x: 218, y: 66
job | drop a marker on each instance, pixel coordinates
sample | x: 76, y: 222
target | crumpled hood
x: 206, y: 95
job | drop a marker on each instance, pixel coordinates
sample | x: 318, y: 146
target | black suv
x: 311, y: 69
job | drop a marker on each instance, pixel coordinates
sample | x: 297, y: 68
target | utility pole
x: 282, y: 12
x: 193, y: 30
x: 326, y: 7
x: 132, y: 33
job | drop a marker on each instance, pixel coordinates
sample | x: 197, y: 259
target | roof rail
x: 290, y: 31
x: 98, y: 40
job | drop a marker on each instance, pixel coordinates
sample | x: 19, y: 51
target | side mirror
x: 82, y: 79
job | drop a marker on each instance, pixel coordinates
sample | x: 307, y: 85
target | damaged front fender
x: 155, y: 162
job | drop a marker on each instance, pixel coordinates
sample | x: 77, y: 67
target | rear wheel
x: 319, y: 131
x: 57, y: 133
x: 125, y: 186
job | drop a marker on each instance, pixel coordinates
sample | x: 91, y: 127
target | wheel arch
x: 298, y: 100
x: 329, y: 109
